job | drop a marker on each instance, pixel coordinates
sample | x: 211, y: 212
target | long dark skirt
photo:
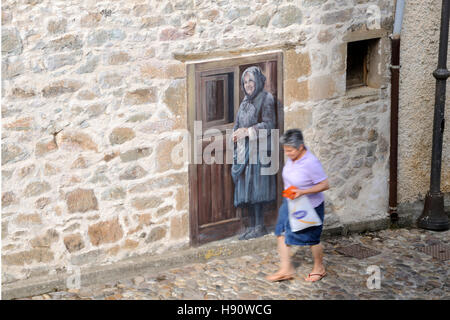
x: 250, y: 185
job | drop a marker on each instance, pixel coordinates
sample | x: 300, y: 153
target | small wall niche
x: 364, y: 59
x: 362, y: 64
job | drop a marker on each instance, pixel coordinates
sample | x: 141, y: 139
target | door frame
x: 193, y: 69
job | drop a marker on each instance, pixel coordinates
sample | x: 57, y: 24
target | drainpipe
x: 395, y: 77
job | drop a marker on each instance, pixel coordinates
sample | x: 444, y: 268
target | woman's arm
x: 321, y: 186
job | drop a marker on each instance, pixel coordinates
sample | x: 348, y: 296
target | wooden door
x: 217, y: 95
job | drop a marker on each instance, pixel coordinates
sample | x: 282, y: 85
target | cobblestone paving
x: 406, y: 273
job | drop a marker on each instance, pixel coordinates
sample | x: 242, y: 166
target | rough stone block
x: 25, y: 220
x: 135, y: 154
x: 61, y: 87
x: 156, y: 234
x: 114, y: 193
x: 73, y: 242
x: 90, y: 65
x: 295, y: 91
x: 296, y: 65
x: 175, y: 97
x: 151, y: 22
x: 68, y: 42
x: 21, y: 93
x: 286, y: 16
x: 45, y: 147
x: 105, y: 232
x: 130, y: 244
x: 4, y: 229
x: 116, y: 58
x: 182, y: 198
x: 36, y: 188
x: 163, y: 211
x: 164, y: 157
x: 86, y: 95
x: 140, y: 96
x: 22, y: 124
x: 50, y: 170
x: 158, y: 71
x: 335, y: 17
x: 322, y: 87
x: 56, y: 26
x: 89, y: 258
x: 135, y: 172
x: 79, y: 163
x: 11, y: 41
x: 45, y: 240
x: 146, y: 202
x: 81, y: 200
x: 76, y: 140
x: 179, y: 227
x: 8, y: 198
x: 12, y: 67
x: 121, y: 135
x: 97, y: 38
x: 325, y: 35
x: 299, y: 118
x: 110, y: 80
x: 27, y: 257
x: 90, y: 20
x: 41, y: 203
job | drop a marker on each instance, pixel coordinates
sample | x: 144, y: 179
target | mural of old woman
x: 252, y: 188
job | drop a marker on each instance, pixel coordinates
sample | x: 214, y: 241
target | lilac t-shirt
x: 304, y: 173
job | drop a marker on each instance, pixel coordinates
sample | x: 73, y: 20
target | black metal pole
x: 433, y: 216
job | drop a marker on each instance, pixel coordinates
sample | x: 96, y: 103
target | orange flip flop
x: 321, y: 275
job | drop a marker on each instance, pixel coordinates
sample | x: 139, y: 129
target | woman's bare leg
x: 285, y: 256
x: 286, y: 267
x: 317, y: 252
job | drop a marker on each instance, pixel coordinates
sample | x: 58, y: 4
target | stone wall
x: 419, y: 56
x: 94, y: 100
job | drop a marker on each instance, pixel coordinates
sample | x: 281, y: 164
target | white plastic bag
x: 302, y: 215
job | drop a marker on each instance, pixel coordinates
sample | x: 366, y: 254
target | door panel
x: 212, y: 212
x: 218, y: 218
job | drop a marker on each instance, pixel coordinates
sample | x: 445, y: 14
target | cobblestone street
x: 406, y: 273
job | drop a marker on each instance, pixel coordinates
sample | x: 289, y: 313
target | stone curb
x: 228, y: 248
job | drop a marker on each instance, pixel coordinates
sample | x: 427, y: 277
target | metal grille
x: 438, y: 251
x: 357, y: 251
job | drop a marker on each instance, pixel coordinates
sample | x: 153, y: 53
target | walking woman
x: 303, y: 171
x: 251, y: 188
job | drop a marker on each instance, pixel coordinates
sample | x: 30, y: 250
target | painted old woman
x: 253, y: 187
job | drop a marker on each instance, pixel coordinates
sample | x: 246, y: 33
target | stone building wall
x: 419, y: 56
x: 94, y: 100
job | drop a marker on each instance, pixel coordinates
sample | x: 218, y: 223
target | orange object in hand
x: 289, y: 192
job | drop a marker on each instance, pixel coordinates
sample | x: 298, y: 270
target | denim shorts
x: 306, y: 237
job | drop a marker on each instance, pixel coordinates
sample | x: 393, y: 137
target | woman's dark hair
x: 292, y: 138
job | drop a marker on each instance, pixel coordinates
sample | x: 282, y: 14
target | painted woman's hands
x: 240, y: 134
